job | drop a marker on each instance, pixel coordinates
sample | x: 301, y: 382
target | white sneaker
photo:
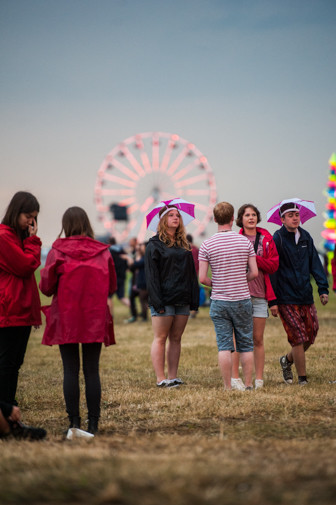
x: 259, y: 383
x: 237, y: 384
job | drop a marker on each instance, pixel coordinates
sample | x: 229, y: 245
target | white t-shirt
x: 227, y: 254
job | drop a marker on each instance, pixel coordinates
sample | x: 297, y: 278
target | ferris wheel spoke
x: 120, y: 180
x: 126, y: 202
x: 146, y: 162
x: 125, y: 170
x: 121, y: 191
x: 167, y: 156
x: 155, y: 153
x: 147, y: 203
x: 176, y: 163
x: 191, y: 180
x: 202, y: 207
x: 134, y: 162
x: 143, y: 229
x: 167, y: 196
x: 133, y: 208
x: 184, y: 171
x: 199, y: 192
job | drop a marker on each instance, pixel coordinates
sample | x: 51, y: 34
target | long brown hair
x: 180, y: 238
x: 76, y: 222
x: 21, y: 203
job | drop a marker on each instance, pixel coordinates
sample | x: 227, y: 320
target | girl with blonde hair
x: 173, y: 291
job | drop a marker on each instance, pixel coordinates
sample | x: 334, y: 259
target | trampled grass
x: 191, y: 445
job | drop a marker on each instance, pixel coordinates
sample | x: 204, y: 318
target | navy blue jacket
x: 297, y: 262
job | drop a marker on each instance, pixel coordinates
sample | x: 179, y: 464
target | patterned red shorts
x: 300, y: 323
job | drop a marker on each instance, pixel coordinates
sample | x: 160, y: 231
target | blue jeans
x: 229, y: 317
x: 172, y: 310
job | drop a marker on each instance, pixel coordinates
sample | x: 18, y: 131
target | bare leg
x: 225, y: 365
x: 247, y: 365
x: 174, y: 344
x: 235, y: 361
x: 258, y: 345
x: 297, y: 354
x: 161, y: 328
x: 235, y: 365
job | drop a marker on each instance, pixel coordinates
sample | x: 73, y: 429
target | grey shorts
x: 172, y: 310
x: 260, y: 307
x: 229, y: 317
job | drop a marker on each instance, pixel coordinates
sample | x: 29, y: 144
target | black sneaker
x: 22, y: 431
x: 177, y: 381
x: 166, y: 383
x: 286, y: 370
x: 303, y: 382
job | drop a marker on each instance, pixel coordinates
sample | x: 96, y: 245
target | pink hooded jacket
x: 80, y: 273
x: 269, y: 262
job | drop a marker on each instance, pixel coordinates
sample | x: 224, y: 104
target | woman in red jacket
x: 20, y: 252
x: 80, y: 273
x: 260, y: 288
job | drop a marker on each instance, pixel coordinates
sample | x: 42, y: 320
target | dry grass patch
x: 191, y: 445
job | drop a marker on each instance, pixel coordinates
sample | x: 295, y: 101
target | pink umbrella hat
x: 306, y: 208
x: 186, y: 209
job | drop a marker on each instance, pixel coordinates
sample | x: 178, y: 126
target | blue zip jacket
x: 297, y: 262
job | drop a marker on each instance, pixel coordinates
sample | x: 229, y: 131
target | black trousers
x: 134, y: 293
x: 13, y: 345
x: 71, y: 366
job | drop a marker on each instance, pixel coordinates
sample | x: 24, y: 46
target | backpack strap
x: 256, y: 242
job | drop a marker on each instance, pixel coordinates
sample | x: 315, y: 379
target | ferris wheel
x: 145, y: 169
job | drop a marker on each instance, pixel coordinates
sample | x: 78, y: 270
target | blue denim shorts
x: 260, y: 307
x: 172, y: 310
x: 229, y: 317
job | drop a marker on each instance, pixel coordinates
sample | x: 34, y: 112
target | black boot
x: 93, y: 425
x: 75, y: 422
x: 22, y: 431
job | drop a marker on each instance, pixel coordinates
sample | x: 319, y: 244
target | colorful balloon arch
x: 329, y: 233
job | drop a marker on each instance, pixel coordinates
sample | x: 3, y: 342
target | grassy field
x: 191, y: 445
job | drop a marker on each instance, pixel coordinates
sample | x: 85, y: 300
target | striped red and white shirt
x: 227, y: 254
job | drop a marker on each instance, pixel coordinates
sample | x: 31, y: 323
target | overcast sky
x: 252, y: 83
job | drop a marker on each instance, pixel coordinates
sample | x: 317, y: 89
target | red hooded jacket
x: 19, y: 296
x: 269, y: 262
x: 80, y: 273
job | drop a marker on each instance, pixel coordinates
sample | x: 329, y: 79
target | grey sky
x: 250, y: 83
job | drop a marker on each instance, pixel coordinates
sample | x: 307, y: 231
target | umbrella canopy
x: 306, y: 207
x: 186, y: 209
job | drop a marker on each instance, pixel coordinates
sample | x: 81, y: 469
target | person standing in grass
x: 232, y: 260
x: 173, y: 291
x: 294, y: 303
x: 80, y: 274
x: 260, y: 288
x: 20, y: 253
